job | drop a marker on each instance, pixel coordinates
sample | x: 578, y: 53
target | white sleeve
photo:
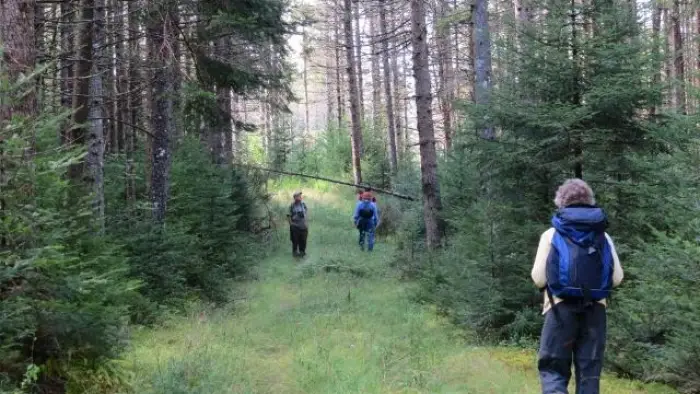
x: 539, y: 268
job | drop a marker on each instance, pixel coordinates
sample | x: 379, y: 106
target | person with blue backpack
x: 366, y: 219
x: 576, y: 266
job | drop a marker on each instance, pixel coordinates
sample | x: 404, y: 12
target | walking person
x: 576, y: 266
x: 366, y: 219
x: 298, y: 225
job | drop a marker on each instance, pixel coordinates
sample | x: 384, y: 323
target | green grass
x: 301, y: 329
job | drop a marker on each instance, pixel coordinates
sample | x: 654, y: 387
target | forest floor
x: 339, y: 321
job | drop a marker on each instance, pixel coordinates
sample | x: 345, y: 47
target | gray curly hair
x: 574, y: 191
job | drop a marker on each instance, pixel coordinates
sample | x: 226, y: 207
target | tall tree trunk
x: 338, y: 77
x: 445, y: 68
x: 575, y: 89
x: 403, y: 103
x: 223, y: 99
x: 356, y: 135
x: 177, y: 132
x: 237, y: 108
x: 471, y: 56
x: 678, y: 62
x: 668, y: 56
x: 224, y: 102
x: 426, y: 134
x: 133, y: 98
x: 96, y: 138
x: 160, y: 37
x: 697, y: 53
x: 329, y: 79
x: 216, y: 128
x: 376, y: 77
x: 66, y: 64
x: 358, y: 58
x: 109, y: 67
x: 81, y: 89
x: 482, y: 63
x: 122, y: 112
x: 304, y: 57
x: 656, y: 29
x: 393, y: 158
x: 82, y: 78
x: 17, y: 36
x: 397, y: 99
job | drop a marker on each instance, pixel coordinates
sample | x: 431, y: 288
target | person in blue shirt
x: 366, y: 219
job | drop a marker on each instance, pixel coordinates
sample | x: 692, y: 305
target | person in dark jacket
x: 298, y: 225
x: 576, y: 266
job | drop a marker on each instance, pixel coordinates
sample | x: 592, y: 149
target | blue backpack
x: 580, y: 264
x: 366, y: 212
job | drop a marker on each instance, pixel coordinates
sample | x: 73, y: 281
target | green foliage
x: 584, y: 113
x: 245, y: 30
x: 375, y: 158
x: 328, y: 155
x: 280, y: 142
x: 64, y: 289
x: 657, y: 314
x: 307, y: 329
x: 207, y: 240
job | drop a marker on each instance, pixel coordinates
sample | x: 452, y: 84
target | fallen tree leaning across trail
x: 320, y: 178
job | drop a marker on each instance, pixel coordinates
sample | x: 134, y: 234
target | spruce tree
x: 578, y: 108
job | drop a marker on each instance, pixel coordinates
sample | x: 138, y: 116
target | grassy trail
x: 300, y: 329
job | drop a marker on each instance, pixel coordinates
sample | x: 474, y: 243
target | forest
x: 148, y: 152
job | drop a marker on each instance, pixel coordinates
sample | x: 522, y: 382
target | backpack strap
x: 552, y: 304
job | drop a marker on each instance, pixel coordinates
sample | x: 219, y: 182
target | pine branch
x: 320, y: 178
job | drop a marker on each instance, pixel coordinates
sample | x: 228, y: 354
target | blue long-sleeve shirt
x: 375, y: 212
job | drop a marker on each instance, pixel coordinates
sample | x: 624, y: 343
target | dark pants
x: 298, y: 237
x: 366, y: 229
x: 572, y: 332
x: 367, y: 233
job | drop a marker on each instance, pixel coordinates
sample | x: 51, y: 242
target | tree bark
x: 109, y: 75
x: 304, y: 56
x: 655, y: 29
x: 358, y: 58
x: 397, y: 79
x: 122, y: 76
x: 426, y: 134
x: 338, y: 77
x: 66, y: 65
x: 376, y: 77
x: 668, y: 56
x: 445, y: 69
x: 81, y: 89
x: 238, y: 108
x: 96, y: 138
x: 393, y: 158
x: 160, y: 36
x: 482, y: 63
x: 403, y: 103
x: 356, y: 134
x: 133, y: 98
x: 697, y: 53
x: 17, y: 34
x: 678, y: 62
x: 225, y: 129
x: 329, y: 79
